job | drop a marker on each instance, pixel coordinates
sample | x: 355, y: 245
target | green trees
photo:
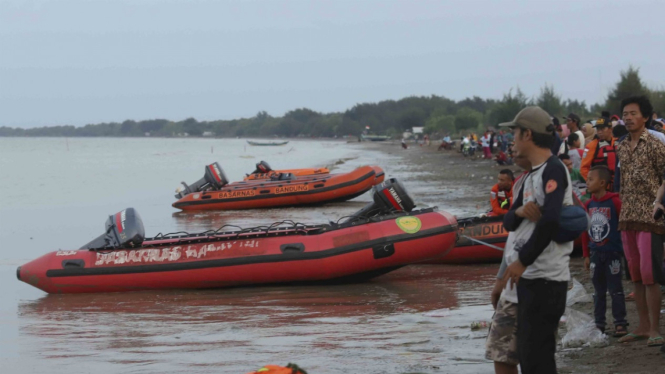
x: 630, y: 84
x: 391, y: 117
x: 467, y: 119
x: 550, y: 101
x: 442, y: 124
x: 658, y: 101
x: 506, y: 109
x: 578, y: 107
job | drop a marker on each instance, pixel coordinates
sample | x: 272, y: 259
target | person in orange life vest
x: 501, y: 196
x: 601, y: 151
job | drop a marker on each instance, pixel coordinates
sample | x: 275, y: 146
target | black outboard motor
x: 123, y: 230
x: 213, y: 179
x: 262, y: 168
x: 389, y: 196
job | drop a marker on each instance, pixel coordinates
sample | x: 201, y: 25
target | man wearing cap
x: 601, y: 151
x: 537, y: 274
x: 573, y: 123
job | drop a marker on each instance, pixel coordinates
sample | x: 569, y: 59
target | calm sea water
x: 56, y: 193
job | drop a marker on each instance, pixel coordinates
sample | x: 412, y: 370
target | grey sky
x: 78, y: 62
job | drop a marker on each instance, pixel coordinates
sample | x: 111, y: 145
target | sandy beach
x: 467, y: 183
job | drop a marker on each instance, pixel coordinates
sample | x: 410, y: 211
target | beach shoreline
x: 472, y: 179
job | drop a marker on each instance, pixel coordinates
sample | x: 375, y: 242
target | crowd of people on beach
x: 604, y: 180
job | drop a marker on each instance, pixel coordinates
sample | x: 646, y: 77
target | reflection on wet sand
x: 234, y: 330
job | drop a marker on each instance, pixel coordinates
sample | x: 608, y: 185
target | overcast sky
x: 79, y: 62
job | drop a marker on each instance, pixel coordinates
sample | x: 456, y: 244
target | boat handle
x: 383, y: 250
x: 292, y: 248
x: 68, y: 264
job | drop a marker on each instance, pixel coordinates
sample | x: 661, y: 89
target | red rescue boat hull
x: 488, y: 230
x: 353, y: 253
x: 269, y: 194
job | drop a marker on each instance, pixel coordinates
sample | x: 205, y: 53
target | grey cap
x: 533, y: 118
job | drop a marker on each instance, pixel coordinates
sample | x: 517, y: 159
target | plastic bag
x: 582, y: 331
x: 577, y: 294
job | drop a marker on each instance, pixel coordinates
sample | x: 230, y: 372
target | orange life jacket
x: 606, y: 155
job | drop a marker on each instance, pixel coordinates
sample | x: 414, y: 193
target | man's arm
x: 617, y: 164
x: 499, y: 284
x: 511, y: 221
x: 617, y: 204
x: 659, y: 159
x: 555, y: 183
x: 617, y: 176
x: 502, y: 268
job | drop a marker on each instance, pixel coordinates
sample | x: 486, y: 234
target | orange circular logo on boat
x: 409, y: 225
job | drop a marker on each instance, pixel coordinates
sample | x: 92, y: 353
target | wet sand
x: 444, y: 178
x: 633, y: 358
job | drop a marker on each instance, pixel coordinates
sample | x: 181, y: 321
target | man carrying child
x: 603, y: 249
x: 538, y: 265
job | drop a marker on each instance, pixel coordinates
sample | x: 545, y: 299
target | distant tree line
x: 437, y: 114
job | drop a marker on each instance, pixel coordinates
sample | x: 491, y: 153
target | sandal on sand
x: 630, y: 337
x: 630, y: 297
x: 620, y: 331
x: 655, y: 342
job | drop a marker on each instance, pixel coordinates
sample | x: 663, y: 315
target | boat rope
x: 482, y: 242
x: 280, y: 227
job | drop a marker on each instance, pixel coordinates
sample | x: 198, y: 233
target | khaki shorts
x: 501, y: 343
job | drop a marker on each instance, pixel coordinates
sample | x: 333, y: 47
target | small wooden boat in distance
x: 266, y: 143
x: 374, y: 138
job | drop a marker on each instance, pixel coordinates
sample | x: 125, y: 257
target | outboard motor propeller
x: 213, y: 179
x: 262, y: 168
x: 123, y: 229
x: 389, y: 196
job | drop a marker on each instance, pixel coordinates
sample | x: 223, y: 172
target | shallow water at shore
x: 415, y: 319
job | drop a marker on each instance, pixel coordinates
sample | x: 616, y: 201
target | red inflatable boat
x: 213, y: 192
x: 380, y: 238
x: 486, y: 229
x: 475, y: 233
